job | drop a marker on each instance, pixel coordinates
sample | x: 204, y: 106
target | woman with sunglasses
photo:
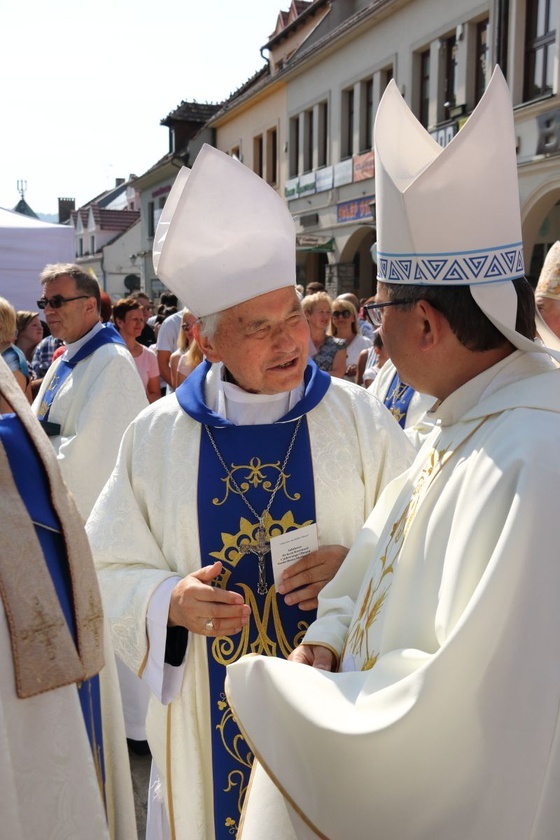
x: 328, y: 353
x: 184, y: 341
x: 345, y: 325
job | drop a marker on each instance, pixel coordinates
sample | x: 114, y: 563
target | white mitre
x: 450, y: 216
x: 549, y: 278
x: 224, y: 236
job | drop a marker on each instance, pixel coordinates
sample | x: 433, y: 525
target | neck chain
x: 262, y: 546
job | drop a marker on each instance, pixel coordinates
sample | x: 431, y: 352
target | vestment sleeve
x: 88, y: 453
x: 130, y: 562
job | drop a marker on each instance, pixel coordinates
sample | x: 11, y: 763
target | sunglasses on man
x: 57, y: 301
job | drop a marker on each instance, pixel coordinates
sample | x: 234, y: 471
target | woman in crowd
x: 370, y: 361
x: 129, y: 320
x: 11, y: 354
x: 327, y: 352
x: 29, y: 332
x: 189, y: 361
x: 345, y: 325
x: 183, y: 344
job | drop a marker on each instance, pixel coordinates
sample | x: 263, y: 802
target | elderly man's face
x: 549, y: 310
x: 263, y: 342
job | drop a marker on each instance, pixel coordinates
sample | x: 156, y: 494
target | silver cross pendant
x: 261, y: 549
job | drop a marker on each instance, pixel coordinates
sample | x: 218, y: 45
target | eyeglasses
x: 374, y: 311
x: 187, y: 327
x: 57, y: 301
x: 345, y: 313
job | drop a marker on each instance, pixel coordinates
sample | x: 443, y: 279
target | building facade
x: 187, y: 131
x: 305, y: 122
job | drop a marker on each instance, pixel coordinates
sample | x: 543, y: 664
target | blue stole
x: 398, y: 399
x: 108, y: 335
x: 33, y: 487
x: 254, y: 455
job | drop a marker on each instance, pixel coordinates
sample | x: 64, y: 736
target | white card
x: 288, y: 548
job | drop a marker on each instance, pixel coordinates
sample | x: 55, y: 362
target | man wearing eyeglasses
x: 90, y: 395
x: 432, y: 707
x: 409, y: 407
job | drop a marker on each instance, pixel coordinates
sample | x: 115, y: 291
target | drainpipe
x: 502, y: 27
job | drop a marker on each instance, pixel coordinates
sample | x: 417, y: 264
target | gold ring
x: 209, y: 624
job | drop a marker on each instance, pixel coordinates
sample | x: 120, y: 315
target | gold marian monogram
x: 227, y: 649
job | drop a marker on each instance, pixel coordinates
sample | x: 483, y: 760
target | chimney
x: 119, y: 181
x: 65, y: 207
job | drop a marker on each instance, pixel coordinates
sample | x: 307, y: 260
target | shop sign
x: 354, y: 211
x: 291, y: 189
x: 307, y: 184
x: 324, y: 179
x: 343, y: 173
x: 364, y: 166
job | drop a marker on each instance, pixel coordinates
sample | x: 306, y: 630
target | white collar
x: 515, y: 367
x: 74, y: 346
x: 244, y: 409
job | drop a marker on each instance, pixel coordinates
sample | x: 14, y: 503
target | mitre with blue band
x: 450, y: 216
x: 224, y: 236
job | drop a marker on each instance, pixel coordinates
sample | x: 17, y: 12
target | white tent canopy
x: 27, y: 245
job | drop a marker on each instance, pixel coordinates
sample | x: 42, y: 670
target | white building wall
x: 117, y: 263
x: 396, y: 40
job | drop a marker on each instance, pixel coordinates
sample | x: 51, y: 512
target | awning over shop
x: 317, y: 244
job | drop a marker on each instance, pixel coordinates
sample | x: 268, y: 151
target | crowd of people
x: 267, y: 521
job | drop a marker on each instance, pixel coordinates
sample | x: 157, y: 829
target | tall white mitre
x: 450, y: 216
x: 224, y: 236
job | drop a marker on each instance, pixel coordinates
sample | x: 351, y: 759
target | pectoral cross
x: 261, y: 549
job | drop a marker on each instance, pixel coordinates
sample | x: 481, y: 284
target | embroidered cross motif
x: 44, y: 629
x: 94, y: 619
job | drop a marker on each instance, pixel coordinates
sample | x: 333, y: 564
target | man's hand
x: 194, y: 603
x: 312, y: 573
x: 317, y: 656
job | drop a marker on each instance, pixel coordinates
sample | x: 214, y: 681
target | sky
x: 85, y: 86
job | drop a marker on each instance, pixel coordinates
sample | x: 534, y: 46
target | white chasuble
x: 159, y: 518
x: 446, y: 612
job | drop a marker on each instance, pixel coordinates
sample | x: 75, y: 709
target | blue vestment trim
x: 398, y: 403
x: 32, y: 484
x: 108, y: 335
x: 254, y: 456
x: 190, y: 395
